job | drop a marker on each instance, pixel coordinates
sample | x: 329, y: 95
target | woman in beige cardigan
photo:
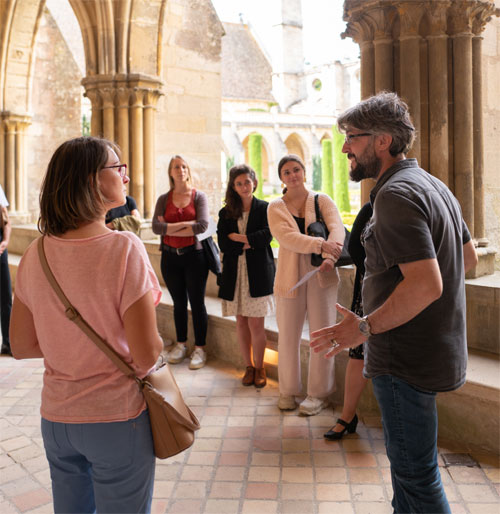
x: 289, y: 218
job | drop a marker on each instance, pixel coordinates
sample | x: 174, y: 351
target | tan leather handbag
x: 173, y: 424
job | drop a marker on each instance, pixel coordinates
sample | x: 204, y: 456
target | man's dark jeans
x: 410, y: 424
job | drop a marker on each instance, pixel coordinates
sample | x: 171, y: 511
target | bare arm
x: 23, y: 339
x: 135, y: 212
x: 141, y: 330
x: 422, y: 285
x: 470, y: 256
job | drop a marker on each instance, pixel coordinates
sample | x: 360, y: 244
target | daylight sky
x: 322, y: 26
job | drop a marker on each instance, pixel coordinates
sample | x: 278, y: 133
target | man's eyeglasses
x: 121, y: 168
x: 350, y: 137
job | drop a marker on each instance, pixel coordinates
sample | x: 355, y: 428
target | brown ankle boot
x: 248, y: 377
x: 260, y: 377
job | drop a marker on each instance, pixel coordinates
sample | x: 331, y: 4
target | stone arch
x: 326, y: 135
x: 294, y: 144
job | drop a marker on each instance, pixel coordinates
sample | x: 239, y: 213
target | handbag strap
x: 316, y: 208
x: 73, y: 315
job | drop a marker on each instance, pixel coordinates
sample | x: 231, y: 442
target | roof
x: 246, y: 72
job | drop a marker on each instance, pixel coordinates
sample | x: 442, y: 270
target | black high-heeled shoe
x: 331, y: 435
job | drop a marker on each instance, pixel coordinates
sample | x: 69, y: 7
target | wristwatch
x: 364, y: 326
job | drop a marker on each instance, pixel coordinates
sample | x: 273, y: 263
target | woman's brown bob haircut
x: 70, y: 194
x: 234, y: 205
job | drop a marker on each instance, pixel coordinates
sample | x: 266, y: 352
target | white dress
x: 243, y: 304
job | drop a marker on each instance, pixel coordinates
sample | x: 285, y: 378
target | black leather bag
x: 212, y: 254
x: 318, y: 229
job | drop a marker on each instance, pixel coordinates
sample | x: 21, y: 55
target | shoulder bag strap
x: 316, y: 208
x: 73, y: 315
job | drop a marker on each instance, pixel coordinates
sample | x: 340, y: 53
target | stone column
x: 438, y: 95
x: 383, y: 43
x: 150, y: 99
x: 409, y: 44
x: 137, y: 148
x: 123, y: 110
x: 463, y: 148
x: 13, y: 171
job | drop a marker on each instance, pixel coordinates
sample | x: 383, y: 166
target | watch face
x: 364, y: 327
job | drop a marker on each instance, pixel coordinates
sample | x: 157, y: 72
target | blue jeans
x: 108, y: 467
x: 410, y: 424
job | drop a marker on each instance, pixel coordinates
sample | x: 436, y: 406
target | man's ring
x: 334, y: 343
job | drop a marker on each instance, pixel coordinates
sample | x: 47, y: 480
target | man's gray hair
x: 384, y: 113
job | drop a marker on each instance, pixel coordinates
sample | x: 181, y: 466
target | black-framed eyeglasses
x: 121, y: 168
x: 350, y: 137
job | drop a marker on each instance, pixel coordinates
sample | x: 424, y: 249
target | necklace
x: 300, y: 208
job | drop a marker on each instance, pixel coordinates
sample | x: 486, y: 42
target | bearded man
x: 418, y: 249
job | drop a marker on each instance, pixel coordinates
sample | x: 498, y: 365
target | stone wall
x: 189, y: 114
x: 491, y: 116
x: 56, y: 104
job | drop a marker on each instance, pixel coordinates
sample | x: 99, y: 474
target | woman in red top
x: 180, y: 215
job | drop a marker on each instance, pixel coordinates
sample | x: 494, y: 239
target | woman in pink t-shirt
x: 95, y: 425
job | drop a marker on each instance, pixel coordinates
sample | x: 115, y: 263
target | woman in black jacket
x: 246, y: 284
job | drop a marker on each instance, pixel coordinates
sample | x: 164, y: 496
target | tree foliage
x: 316, y: 178
x: 255, y: 159
x: 341, y: 174
x: 327, y: 167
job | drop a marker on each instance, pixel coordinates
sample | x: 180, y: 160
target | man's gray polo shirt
x: 416, y: 217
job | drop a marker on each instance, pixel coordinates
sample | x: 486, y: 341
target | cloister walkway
x: 248, y: 456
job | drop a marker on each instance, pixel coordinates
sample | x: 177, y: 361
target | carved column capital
x: 481, y: 15
x: 151, y: 97
x: 460, y: 17
x: 410, y: 16
x: 438, y: 18
x: 382, y: 22
x: 107, y: 98
x: 359, y: 30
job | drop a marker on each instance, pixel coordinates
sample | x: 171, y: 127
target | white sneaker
x: 312, y: 406
x: 286, y: 402
x: 198, y: 358
x: 177, y: 353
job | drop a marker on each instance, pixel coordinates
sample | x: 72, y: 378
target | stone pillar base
x: 485, y: 264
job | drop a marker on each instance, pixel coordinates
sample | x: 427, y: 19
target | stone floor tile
x: 222, y: 506
x: 266, y: 410
x: 196, y: 473
x: 27, y: 453
x: 297, y: 475
x: 493, y: 474
x: 213, y: 420
x: 220, y: 400
x: 230, y: 473
x: 240, y: 421
x: 226, y: 490
x: 302, y: 459
x: 296, y: 445
x: 267, y: 444
x: 375, y: 508
x: 7, y: 508
x: 261, y: 491
x: 466, y: 475
x: 5, y: 461
x: 360, y: 460
x: 10, y: 432
x: 10, y: 445
x: 236, y: 445
x: 42, y: 509
x: 238, y: 432
x: 233, y: 459
x: 216, y: 411
x: 19, y: 486
x: 259, y: 507
x: 331, y: 475
x: 159, y: 506
x: 264, y: 474
x: 206, y: 444
x: 267, y: 432
x: 240, y: 410
x: 43, y: 478
x: 31, y: 499
x: 297, y: 491
x: 325, y: 445
x: 328, y: 459
x: 322, y: 420
x: 451, y: 492
x: 164, y: 472
x: 477, y: 493
x: 190, y: 490
x: 365, y: 476
x: 202, y: 458
x: 13, y: 472
x: 335, y: 507
x: 163, y: 489
x: 268, y: 421
x: 186, y: 507
x: 210, y: 432
x: 483, y: 508
x: 265, y: 459
x: 295, y: 432
x: 382, y: 460
x: 356, y: 445
x: 297, y: 507
x: 368, y: 493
